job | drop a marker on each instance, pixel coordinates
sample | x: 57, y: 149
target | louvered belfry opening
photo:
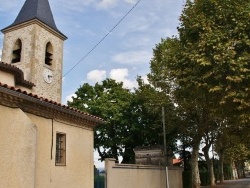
x: 48, y: 54
x: 16, y: 54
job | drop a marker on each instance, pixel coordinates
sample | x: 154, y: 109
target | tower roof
x: 36, y: 9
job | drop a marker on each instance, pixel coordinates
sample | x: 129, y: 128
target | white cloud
x: 130, y: 1
x: 76, y: 5
x: 96, y: 75
x: 120, y: 76
x: 69, y: 98
x: 105, y: 4
x: 145, y: 79
x: 135, y: 57
x: 0, y: 54
x: 99, y: 164
x: 129, y: 84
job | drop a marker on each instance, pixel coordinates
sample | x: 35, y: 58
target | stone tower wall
x: 34, y: 38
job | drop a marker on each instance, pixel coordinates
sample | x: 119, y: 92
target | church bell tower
x: 35, y: 45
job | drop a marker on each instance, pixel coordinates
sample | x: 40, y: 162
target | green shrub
x: 99, y: 181
x: 227, y: 172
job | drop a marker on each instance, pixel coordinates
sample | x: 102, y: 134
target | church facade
x: 42, y: 142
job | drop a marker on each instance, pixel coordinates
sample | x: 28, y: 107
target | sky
x: 123, y: 55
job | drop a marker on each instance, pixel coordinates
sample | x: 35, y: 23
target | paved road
x: 240, y: 183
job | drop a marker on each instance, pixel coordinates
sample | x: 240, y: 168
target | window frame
x: 60, y: 153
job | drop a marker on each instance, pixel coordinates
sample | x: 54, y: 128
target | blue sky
x: 124, y: 54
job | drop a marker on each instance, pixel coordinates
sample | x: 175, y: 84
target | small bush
x: 99, y: 182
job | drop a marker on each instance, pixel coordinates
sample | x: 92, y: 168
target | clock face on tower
x: 48, y: 76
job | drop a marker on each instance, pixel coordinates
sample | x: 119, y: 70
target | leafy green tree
x: 205, y: 69
x: 133, y: 119
x: 216, y: 40
x: 150, y: 102
x: 194, y: 107
x: 232, y: 147
x: 110, y: 101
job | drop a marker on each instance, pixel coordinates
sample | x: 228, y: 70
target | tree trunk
x: 232, y: 175
x: 211, y: 170
x: 243, y: 169
x: 239, y: 168
x: 101, y: 154
x: 194, y: 164
x: 115, y: 153
x: 184, y: 155
x: 210, y: 164
x: 221, y: 165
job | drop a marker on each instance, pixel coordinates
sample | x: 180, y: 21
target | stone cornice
x: 34, y: 21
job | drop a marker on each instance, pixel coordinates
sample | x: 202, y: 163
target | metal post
x: 164, y: 132
x: 167, y: 180
x: 165, y: 146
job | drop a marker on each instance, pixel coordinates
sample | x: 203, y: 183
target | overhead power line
x: 97, y: 44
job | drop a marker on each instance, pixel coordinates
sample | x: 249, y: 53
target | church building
x: 43, y: 143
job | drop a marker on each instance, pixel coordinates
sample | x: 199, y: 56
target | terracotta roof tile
x: 49, y: 101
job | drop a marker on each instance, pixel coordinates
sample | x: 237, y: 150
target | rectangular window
x: 60, y: 149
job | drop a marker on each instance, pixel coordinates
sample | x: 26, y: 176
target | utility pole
x: 165, y: 146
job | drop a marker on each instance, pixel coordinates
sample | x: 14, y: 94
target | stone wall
x: 149, y: 156
x: 34, y: 37
x: 152, y: 156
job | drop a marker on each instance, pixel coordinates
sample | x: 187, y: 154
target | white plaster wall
x: 7, y: 78
x: 78, y: 172
x: 17, y: 149
x: 140, y: 176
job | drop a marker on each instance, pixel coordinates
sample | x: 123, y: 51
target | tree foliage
x: 205, y: 69
x: 216, y: 44
x: 151, y: 101
x: 133, y: 119
x: 201, y: 76
x: 111, y: 102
